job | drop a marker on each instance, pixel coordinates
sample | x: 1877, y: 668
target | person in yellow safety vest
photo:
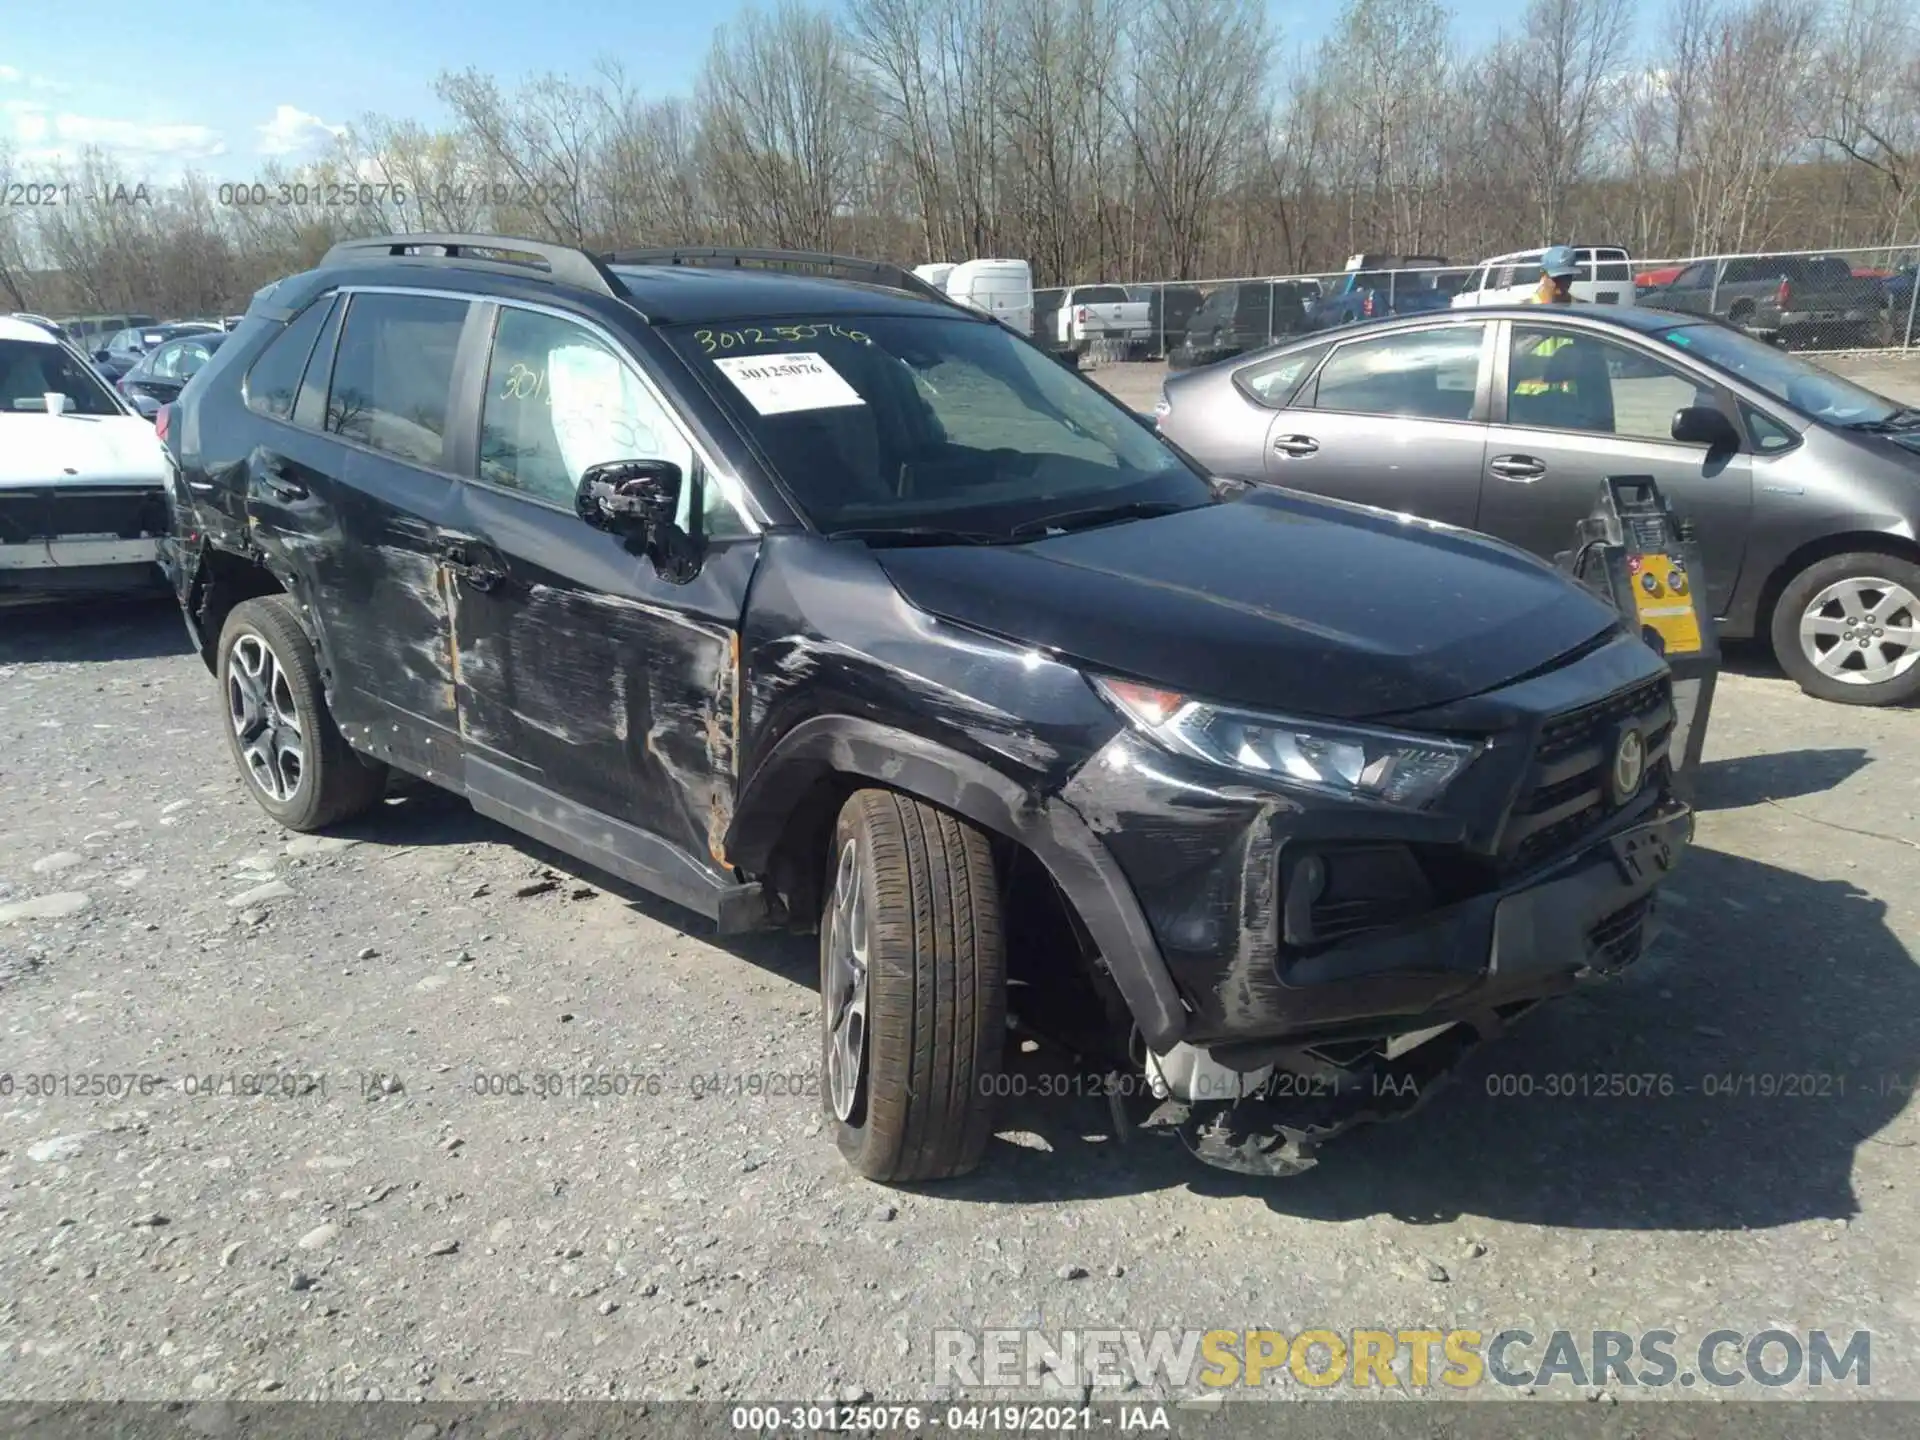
x: 1557, y: 269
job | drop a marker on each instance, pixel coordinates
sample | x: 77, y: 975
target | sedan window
x: 1427, y: 373
x: 1569, y: 380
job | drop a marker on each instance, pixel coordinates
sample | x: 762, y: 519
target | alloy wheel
x: 845, y: 984
x: 266, y: 720
x: 1863, y: 630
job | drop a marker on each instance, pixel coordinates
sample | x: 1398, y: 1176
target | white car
x: 1605, y: 277
x: 83, y: 479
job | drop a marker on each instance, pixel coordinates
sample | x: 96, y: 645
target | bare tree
x: 1552, y: 92
x: 1195, y: 96
x: 1869, y: 84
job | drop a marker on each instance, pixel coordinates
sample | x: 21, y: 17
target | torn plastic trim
x: 1050, y: 828
x: 1278, y: 1130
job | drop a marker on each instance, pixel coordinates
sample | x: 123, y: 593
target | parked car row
x: 843, y: 608
x: 1804, y: 487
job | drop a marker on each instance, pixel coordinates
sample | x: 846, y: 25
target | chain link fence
x: 1825, y: 300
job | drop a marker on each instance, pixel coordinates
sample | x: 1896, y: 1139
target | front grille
x: 1566, y: 795
x: 1615, y: 940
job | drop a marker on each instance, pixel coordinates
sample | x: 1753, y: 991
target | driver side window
x: 559, y: 400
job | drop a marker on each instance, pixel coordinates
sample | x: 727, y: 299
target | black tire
x: 921, y: 1102
x: 331, y: 782
x: 1802, y: 591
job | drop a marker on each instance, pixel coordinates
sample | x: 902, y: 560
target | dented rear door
x: 355, y: 513
x: 582, y: 671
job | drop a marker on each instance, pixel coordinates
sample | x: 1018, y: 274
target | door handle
x: 1523, y: 469
x: 467, y: 562
x: 1298, y: 446
x: 275, y: 481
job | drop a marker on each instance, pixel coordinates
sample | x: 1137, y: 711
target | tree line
x: 1156, y: 139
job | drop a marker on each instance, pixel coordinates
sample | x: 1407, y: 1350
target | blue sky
x: 225, y: 85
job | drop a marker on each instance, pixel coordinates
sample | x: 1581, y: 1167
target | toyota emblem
x: 1629, y: 765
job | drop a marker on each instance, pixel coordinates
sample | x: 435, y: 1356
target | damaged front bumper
x: 67, y: 540
x: 1265, y: 1109
x: 1313, y: 940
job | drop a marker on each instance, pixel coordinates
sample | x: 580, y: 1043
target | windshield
x: 1816, y: 393
x: 890, y: 422
x: 28, y: 370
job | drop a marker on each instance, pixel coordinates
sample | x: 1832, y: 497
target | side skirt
x: 612, y: 845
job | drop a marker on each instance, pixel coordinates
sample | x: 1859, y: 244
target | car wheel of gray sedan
x: 1847, y: 628
x: 912, y: 989
x: 276, y: 720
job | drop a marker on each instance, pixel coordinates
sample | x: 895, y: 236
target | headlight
x: 1355, y: 762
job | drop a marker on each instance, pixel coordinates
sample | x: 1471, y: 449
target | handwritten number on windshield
x: 712, y: 342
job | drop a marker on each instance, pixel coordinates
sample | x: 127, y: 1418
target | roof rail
x: 877, y: 272
x: 564, y: 263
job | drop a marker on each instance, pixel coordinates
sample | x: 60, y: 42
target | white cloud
x: 293, y: 132
x: 48, y: 137
x: 14, y: 75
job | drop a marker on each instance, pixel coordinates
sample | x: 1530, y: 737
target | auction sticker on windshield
x: 781, y: 384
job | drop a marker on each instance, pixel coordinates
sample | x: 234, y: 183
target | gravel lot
x: 378, y: 1228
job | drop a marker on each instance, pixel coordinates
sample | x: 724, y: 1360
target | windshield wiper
x: 1098, y: 515
x: 1903, y: 419
x: 901, y: 535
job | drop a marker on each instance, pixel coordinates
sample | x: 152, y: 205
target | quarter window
x: 393, y: 373
x: 1568, y: 380
x: 1273, y: 382
x: 275, y: 376
x: 1429, y: 374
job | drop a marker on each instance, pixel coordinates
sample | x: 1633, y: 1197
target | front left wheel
x: 912, y: 989
x: 300, y: 769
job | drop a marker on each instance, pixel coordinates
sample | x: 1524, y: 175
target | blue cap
x: 1559, y: 261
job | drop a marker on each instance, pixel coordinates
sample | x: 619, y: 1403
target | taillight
x: 1081, y: 314
x: 160, y: 420
x: 1783, y: 297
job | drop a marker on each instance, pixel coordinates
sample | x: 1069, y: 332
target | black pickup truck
x: 1805, y: 301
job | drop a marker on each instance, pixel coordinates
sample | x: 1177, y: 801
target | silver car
x: 1804, y: 488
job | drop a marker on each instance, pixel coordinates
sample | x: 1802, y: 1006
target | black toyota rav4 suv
x: 785, y: 588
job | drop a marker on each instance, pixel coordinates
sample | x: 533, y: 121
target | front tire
x: 299, y: 768
x: 1847, y: 629
x: 912, y: 989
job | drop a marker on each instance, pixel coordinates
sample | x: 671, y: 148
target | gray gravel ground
x: 386, y: 1231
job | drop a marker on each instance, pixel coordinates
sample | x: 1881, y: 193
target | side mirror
x: 637, y: 500
x: 101, y: 354
x: 1703, y: 425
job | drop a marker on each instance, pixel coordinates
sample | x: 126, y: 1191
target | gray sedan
x: 1804, y: 488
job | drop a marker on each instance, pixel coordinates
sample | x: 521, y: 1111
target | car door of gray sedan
x: 1395, y: 420
x: 1578, y: 407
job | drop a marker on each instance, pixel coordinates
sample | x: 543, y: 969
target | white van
x: 1002, y: 288
x: 1605, y: 277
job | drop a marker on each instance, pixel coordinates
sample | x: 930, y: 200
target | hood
x: 40, y: 449
x: 1277, y: 601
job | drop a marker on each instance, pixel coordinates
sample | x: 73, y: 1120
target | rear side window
x: 1431, y: 374
x: 1100, y: 295
x: 274, y: 379
x: 393, y: 372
